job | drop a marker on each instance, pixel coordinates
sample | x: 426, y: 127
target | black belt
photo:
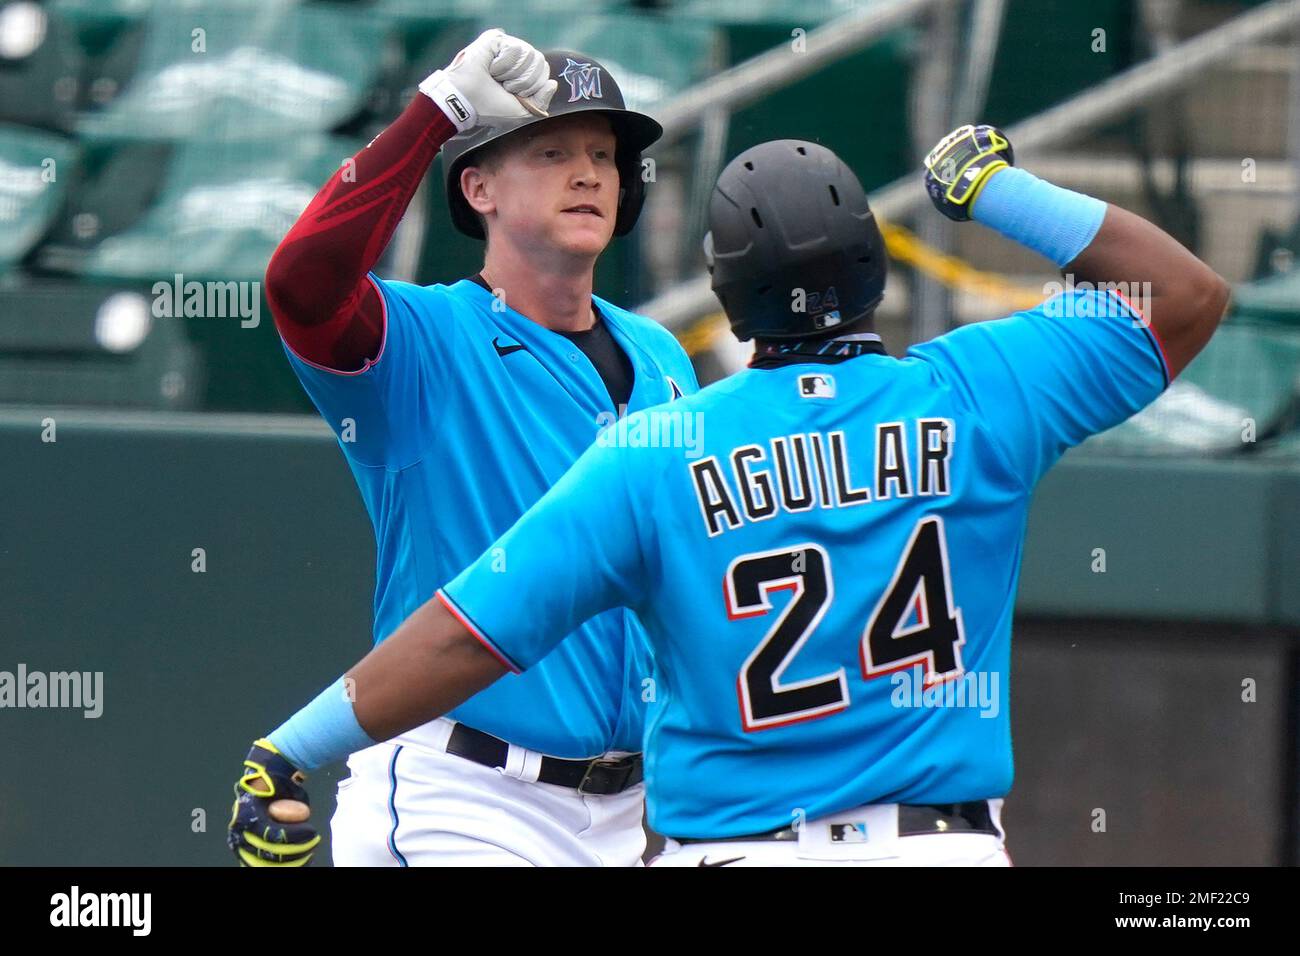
x: 596, y: 775
x: 913, y: 820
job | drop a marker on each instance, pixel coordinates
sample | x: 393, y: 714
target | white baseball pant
x: 821, y: 842
x: 409, y: 804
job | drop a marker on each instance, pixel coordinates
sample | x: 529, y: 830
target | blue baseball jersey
x: 827, y: 576
x: 469, y: 414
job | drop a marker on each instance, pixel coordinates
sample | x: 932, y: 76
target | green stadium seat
x: 111, y: 59
x: 35, y: 171
x: 1248, y: 372
x: 80, y: 345
x: 111, y: 189
x: 1275, y: 299
x: 220, y: 210
x: 41, y: 88
x: 414, y: 11
x: 88, y: 54
x: 98, y: 23
x: 267, y: 68
x: 809, y: 13
x: 103, y: 11
x: 1284, y: 448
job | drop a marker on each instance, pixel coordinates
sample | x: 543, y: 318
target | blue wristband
x: 1054, y: 222
x: 324, y: 730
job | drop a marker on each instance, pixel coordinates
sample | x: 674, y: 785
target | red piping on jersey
x: 474, y: 631
x: 383, y: 305
x: 1155, y: 336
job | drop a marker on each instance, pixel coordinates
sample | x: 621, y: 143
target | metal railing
x: 1067, y: 122
x: 754, y: 79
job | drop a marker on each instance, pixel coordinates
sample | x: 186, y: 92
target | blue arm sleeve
x: 1056, y: 223
x: 1046, y: 379
x: 324, y: 730
x: 383, y: 413
x: 575, y: 553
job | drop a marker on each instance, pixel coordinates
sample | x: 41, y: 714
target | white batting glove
x: 496, y: 79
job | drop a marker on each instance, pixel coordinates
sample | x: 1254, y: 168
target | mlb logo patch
x: 824, y: 307
x: 816, y: 386
x: 848, y: 833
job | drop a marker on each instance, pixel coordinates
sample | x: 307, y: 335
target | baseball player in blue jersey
x: 457, y: 406
x: 827, y: 579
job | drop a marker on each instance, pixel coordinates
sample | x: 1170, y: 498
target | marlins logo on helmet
x: 583, y: 80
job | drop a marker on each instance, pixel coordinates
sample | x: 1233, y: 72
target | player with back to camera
x: 456, y: 407
x: 828, y: 588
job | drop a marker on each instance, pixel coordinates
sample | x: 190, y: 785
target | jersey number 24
x: 914, y: 622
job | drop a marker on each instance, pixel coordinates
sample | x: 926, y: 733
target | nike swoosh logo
x: 507, y: 349
x: 705, y: 861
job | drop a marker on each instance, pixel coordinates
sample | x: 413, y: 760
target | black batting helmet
x: 584, y: 86
x: 793, y: 248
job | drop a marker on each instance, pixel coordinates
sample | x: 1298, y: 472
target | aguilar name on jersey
x: 828, y: 575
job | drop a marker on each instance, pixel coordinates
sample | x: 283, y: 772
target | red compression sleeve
x: 324, y: 307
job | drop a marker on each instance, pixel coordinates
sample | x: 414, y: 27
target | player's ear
x: 476, y: 185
